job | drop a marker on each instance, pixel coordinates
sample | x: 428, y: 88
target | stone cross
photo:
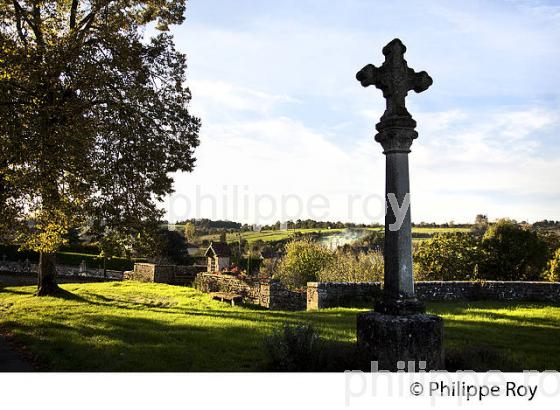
x: 395, y: 79
x: 395, y: 133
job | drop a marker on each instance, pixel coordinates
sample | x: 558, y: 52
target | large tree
x: 93, y: 119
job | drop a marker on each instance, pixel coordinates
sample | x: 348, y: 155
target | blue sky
x: 288, y: 131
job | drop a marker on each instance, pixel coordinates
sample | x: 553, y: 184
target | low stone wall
x: 324, y: 295
x: 253, y: 291
x: 332, y: 294
x: 284, y: 299
x: 489, y: 290
x: 171, y: 274
x: 30, y: 279
x: 149, y: 272
x: 262, y: 292
x: 61, y: 270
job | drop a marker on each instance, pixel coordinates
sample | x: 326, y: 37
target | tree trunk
x: 47, y: 275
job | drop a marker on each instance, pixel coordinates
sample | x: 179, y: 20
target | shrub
x: 302, y: 263
x: 293, y: 348
x: 448, y: 256
x: 69, y: 258
x: 299, y: 348
x: 512, y: 253
x: 553, y: 271
x: 350, y: 267
x: 93, y: 261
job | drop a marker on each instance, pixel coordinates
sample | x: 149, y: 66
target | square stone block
x: 389, y: 339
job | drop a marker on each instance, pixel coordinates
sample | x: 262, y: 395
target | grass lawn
x: 130, y: 326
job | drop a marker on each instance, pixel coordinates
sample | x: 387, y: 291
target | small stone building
x: 218, y: 255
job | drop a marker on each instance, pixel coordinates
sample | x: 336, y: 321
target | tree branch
x: 73, y: 12
x: 23, y: 13
x: 18, y: 25
x: 37, y: 25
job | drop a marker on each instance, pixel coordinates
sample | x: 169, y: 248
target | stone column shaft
x: 396, y: 135
x: 398, y: 240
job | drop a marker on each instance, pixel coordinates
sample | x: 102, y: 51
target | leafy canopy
x: 93, y: 118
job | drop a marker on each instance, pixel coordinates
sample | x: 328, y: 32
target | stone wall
x: 30, y: 279
x: 324, y: 295
x: 285, y: 299
x: 262, y: 292
x: 149, y: 272
x: 61, y: 270
x: 253, y: 290
x: 332, y: 294
x: 171, y: 274
x: 489, y: 290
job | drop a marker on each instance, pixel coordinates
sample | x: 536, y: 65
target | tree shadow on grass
x: 13, y: 291
x: 110, y: 342
x: 533, y: 347
x: 116, y: 343
x: 67, y: 295
x: 462, y: 307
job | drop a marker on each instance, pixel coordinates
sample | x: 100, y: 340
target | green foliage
x: 251, y: 264
x: 372, y: 240
x: 93, y: 120
x: 93, y: 261
x: 553, y: 272
x: 293, y: 348
x: 480, y: 225
x: 89, y: 248
x: 448, y: 256
x: 512, y: 253
x: 189, y: 232
x: 13, y: 253
x: 351, y: 267
x: 302, y: 263
x: 170, y: 247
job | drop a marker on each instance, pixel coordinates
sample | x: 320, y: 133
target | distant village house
x: 218, y: 255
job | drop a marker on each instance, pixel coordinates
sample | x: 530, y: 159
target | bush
x: 512, y: 253
x: 87, y: 248
x: 302, y: 263
x: 93, y: 261
x: 448, y: 256
x: 13, y: 253
x: 250, y: 264
x: 293, y: 348
x: 553, y: 271
x: 68, y: 258
x: 350, y: 267
x: 299, y: 348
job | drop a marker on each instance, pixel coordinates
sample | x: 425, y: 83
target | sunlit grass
x: 130, y: 326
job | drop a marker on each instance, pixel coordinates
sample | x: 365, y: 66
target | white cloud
x: 283, y: 114
x: 461, y: 164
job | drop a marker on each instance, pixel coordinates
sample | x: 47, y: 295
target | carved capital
x: 396, y: 137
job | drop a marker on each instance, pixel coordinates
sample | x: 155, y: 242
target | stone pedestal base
x: 389, y: 339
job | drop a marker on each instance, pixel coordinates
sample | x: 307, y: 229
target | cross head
x: 395, y: 79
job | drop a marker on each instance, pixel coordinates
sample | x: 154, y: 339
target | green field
x: 267, y: 236
x: 274, y: 236
x: 130, y: 326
